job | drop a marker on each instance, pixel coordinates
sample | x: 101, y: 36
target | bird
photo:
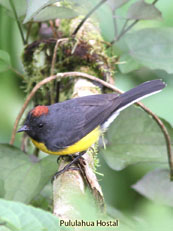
x: 74, y: 125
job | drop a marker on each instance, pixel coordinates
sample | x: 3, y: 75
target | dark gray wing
x: 79, y: 116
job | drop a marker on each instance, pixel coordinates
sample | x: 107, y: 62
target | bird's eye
x: 40, y: 125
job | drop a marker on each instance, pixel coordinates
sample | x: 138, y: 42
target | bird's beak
x: 23, y: 129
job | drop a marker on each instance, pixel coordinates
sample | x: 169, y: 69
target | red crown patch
x: 40, y: 110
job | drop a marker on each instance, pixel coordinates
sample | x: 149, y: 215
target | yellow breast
x: 79, y: 146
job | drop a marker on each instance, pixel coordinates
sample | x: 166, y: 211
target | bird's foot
x: 62, y: 171
x: 68, y: 166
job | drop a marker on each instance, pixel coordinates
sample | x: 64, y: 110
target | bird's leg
x: 68, y: 166
x: 61, y: 157
x: 70, y: 157
x: 58, y: 158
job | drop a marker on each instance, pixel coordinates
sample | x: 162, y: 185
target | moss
x: 86, y: 50
x: 93, y: 151
x: 64, y: 27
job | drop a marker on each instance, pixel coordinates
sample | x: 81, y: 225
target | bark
x: 79, y: 181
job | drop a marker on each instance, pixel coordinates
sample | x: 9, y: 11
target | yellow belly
x: 79, y: 146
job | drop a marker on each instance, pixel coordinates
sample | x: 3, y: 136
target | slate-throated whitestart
x: 74, y: 125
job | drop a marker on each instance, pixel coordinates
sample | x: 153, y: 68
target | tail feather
x: 140, y: 92
x: 132, y: 96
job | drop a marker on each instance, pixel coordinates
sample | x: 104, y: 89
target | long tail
x: 134, y: 95
x: 140, y: 92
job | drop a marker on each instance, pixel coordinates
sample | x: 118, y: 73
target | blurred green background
x: 116, y: 185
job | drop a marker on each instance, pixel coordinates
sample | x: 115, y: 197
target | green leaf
x: 33, y: 7
x: 152, y: 48
x: 141, y: 10
x: 53, y: 12
x: 127, y: 64
x: 22, y: 177
x: 154, y: 217
x: 114, y: 4
x: 66, y: 9
x: 134, y: 137
x: 18, y: 216
x: 20, y: 6
x: 128, y: 221
x: 44, y: 199
x: 156, y: 185
x: 4, y: 61
x: 169, y: 129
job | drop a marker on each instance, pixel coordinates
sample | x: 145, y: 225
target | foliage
x: 18, y: 172
x: 163, y: 187
x: 143, y: 49
x: 136, y: 137
x: 4, y: 61
x: 17, y: 216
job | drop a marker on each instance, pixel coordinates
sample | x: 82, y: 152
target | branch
x: 115, y: 23
x: 67, y: 186
x: 93, y: 78
x: 53, y: 66
x: 54, y: 54
x: 16, y: 72
x: 83, y: 181
x: 166, y: 135
x: 55, y: 35
x: 17, y: 20
x: 87, y: 16
x: 28, y: 31
x: 125, y: 29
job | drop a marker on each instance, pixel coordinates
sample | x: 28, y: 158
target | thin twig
x: 53, y: 67
x: 16, y: 72
x: 32, y: 93
x: 28, y: 32
x: 87, y: 16
x: 53, y: 29
x: 54, y: 58
x: 115, y: 23
x: 17, y: 20
x: 166, y: 135
x: 47, y: 80
x: 24, y: 142
x: 54, y: 54
x: 125, y: 30
x: 52, y: 71
x: 93, y: 78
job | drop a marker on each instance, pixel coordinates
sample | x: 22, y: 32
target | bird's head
x: 36, y: 123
